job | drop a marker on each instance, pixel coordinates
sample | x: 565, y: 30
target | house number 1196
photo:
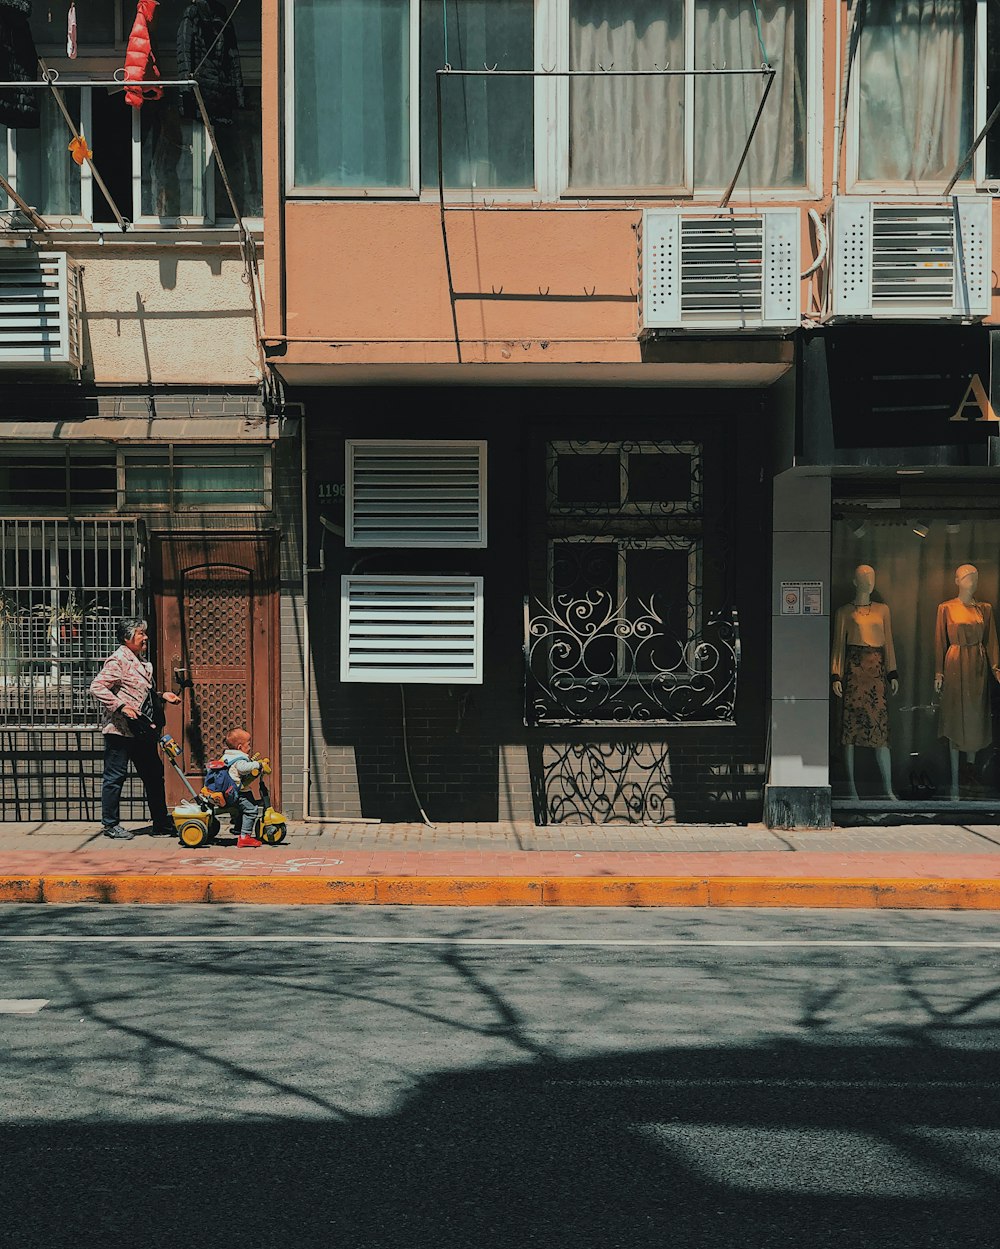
x: 329, y: 490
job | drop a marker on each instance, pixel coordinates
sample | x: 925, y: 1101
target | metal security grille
x: 65, y: 585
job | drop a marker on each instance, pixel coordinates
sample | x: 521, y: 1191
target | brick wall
x: 471, y: 755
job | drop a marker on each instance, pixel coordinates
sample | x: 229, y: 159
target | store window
x: 914, y: 657
x: 366, y: 128
x: 156, y: 161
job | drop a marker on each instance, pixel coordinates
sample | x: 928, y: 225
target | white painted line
x: 494, y: 942
x: 22, y: 1005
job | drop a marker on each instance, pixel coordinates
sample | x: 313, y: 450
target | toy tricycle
x: 197, y: 821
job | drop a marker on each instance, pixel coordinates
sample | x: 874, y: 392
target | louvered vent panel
x: 420, y: 630
x: 416, y: 494
x: 719, y: 272
x: 38, y: 310
x: 722, y: 269
x: 907, y: 259
x: 913, y: 256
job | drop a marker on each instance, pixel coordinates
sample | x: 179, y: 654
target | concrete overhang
x: 664, y: 363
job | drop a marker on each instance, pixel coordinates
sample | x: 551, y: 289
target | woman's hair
x: 126, y: 628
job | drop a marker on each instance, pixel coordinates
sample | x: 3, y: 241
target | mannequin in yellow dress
x: 966, y: 652
x: 863, y: 670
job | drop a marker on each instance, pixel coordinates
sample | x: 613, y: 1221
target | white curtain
x: 916, y: 62
x: 626, y: 132
x: 629, y: 132
x: 726, y: 35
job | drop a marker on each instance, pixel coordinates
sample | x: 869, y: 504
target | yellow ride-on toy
x: 197, y: 821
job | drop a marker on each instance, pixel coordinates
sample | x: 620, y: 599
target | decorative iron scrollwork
x: 593, y: 660
x: 603, y: 782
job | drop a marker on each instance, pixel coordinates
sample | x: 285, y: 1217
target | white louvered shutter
x: 412, y: 629
x: 39, y: 313
x: 416, y: 493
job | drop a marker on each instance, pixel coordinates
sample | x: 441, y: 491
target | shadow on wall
x: 453, y: 754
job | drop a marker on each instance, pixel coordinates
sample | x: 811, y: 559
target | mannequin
x: 863, y: 670
x: 966, y: 652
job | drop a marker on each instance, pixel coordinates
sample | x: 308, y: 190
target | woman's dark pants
x: 142, y: 752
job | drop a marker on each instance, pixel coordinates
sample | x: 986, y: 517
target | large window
x: 162, y: 478
x: 924, y: 81
x: 372, y: 126
x: 156, y: 161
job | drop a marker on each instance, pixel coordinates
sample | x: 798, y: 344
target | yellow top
x: 865, y: 625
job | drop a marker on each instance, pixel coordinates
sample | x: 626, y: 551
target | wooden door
x: 216, y: 633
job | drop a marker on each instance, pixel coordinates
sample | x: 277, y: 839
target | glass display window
x: 915, y: 660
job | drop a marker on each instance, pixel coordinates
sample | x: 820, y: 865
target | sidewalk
x: 909, y: 867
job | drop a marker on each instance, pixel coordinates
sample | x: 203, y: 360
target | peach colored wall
x: 179, y: 316
x: 366, y: 282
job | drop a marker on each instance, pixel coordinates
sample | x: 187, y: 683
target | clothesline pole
x: 89, y: 159
x: 28, y: 211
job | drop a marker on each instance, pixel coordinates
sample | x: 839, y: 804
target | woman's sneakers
x: 248, y: 839
x: 117, y: 832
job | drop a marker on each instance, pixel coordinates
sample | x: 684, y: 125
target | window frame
x: 551, y: 121
x: 100, y: 61
x: 624, y: 543
x: 117, y: 503
x: 623, y: 507
x: 887, y: 186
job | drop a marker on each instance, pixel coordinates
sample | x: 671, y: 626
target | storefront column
x: 798, y: 790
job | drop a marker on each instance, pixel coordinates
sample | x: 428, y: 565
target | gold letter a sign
x: 975, y: 405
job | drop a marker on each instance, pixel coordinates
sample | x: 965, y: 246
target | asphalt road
x: 401, y: 1078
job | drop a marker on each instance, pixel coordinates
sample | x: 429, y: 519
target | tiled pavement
x: 66, y: 838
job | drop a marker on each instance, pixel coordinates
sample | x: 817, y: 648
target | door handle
x: 182, y: 678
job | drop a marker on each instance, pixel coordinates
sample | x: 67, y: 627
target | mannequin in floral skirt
x: 966, y: 654
x: 863, y: 670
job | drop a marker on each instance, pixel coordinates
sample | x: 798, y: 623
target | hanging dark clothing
x: 19, y: 109
x: 207, y: 52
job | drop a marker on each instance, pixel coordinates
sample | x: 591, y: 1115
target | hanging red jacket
x: 140, y: 62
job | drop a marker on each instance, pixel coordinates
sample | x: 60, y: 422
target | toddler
x: 229, y: 782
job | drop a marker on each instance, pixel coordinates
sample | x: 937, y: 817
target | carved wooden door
x: 216, y: 620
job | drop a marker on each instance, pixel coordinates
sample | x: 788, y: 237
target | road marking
x: 492, y: 942
x: 22, y: 1005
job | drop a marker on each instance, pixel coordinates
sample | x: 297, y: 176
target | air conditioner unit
x: 39, y: 312
x: 906, y: 259
x: 713, y: 270
x: 425, y: 630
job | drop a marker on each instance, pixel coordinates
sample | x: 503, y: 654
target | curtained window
x: 353, y: 61
x: 916, y: 89
x: 632, y: 132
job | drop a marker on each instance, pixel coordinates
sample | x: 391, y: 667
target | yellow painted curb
x: 649, y: 891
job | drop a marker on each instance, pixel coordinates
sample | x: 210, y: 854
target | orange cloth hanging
x: 78, y: 149
x: 140, y: 62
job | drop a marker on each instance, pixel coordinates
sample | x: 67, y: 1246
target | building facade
x: 621, y: 336
x: 141, y: 468
x: 623, y: 385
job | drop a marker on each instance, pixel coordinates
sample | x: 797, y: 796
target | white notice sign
x: 812, y: 598
x: 791, y: 598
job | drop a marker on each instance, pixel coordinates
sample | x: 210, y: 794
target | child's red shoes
x: 248, y: 839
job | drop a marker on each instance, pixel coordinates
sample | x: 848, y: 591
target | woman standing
x: 122, y: 686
